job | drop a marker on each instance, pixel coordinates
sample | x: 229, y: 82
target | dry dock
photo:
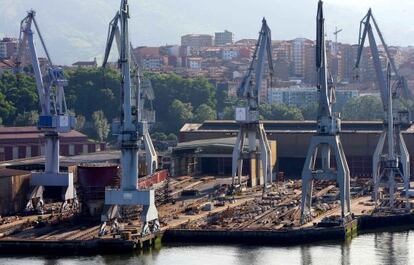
x: 200, y: 211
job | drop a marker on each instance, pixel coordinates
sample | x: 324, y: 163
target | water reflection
x: 306, y: 257
x: 381, y: 248
x: 346, y: 253
x: 248, y: 256
x: 392, y: 248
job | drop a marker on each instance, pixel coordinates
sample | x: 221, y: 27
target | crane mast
x: 248, y: 117
x: 389, y: 181
x: 144, y: 92
x: 54, y: 117
x: 327, y: 139
x: 130, y: 132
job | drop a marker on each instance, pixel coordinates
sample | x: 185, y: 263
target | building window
x: 28, y: 151
x: 15, y: 152
x: 71, y: 149
x: 85, y: 149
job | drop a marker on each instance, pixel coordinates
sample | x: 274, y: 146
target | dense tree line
x: 94, y: 96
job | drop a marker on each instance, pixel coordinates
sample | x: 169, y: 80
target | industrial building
x: 358, y: 137
x: 28, y: 141
x: 208, y: 157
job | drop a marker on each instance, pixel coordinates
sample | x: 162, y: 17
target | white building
x: 229, y: 54
x: 303, y: 96
x: 194, y: 62
x: 151, y: 62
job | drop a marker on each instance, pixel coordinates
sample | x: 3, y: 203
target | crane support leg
x: 376, y: 167
x: 150, y: 154
x: 237, y: 158
x: 265, y: 157
x: 261, y: 153
x: 326, y: 145
x: 405, y: 161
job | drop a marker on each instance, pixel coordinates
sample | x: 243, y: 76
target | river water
x: 380, y: 248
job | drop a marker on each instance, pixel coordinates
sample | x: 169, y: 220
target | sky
x: 77, y: 29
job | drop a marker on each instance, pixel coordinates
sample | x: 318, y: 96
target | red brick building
x: 24, y: 142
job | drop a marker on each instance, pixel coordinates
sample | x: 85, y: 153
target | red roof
x: 6, y: 64
x: 31, y: 132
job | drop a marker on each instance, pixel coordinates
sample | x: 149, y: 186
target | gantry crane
x: 54, y: 117
x: 388, y: 179
x: 130, y: 131
x: 327, y: 139
x: 248, y: 117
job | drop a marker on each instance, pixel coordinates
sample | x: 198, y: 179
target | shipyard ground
x: 200, y: 210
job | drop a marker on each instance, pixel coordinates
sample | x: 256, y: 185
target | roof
x: 32, y: 132
x: 285, y: 126
x: 8, y: 172
x: 111, y: 156
x: 218, y: 142
x: 6, y: 64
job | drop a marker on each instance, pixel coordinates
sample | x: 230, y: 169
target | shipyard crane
x: 388, y: 179
x: 248, y: 117
x: 130, y: 131
x: 144, y: 91
x: 53, y: 119
x: 327, y: 139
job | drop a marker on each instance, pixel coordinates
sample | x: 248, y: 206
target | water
x: 381, y: 248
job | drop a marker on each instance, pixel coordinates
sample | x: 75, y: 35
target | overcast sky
x: 76, y: 29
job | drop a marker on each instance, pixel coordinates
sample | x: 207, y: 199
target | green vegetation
x: 363, y: 108
x: 27, y: 118
x: 17, y: 96
x: 101, y: 125
x: 280, y: 112
x: 95, y: 96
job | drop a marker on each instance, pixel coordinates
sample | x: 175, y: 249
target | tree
x: 101, y: 125
x: 172, y: 137
x: 97, y: 86
x: 17, y: 95
x: 363, y: 108
x: 280, y: 112
x: 228, y: 113
x: 171, y: 87
x: 80, y: 122
x: 159, y: 136
x: 310, y: 111
x: 203, y: 113
x: 28, y: 118
x: 179, y: 113
x: 6, y: 108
